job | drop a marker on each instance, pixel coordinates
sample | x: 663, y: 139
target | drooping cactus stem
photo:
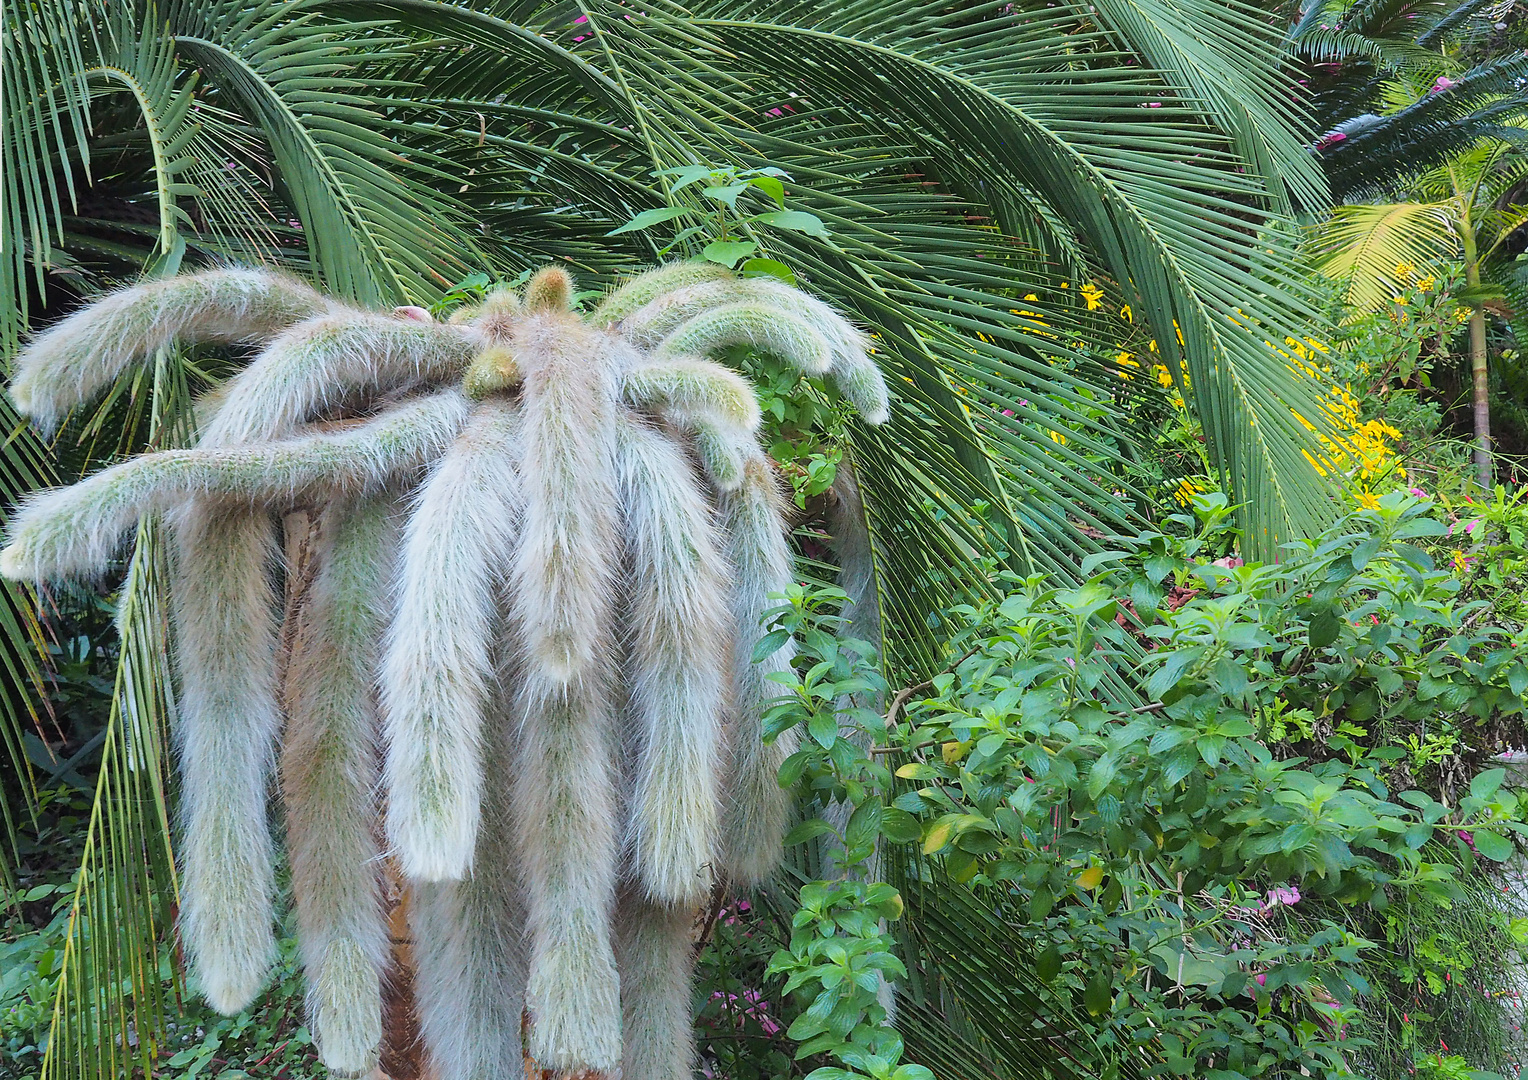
x: 436, y: 666
x: 330, y: 361
x: 678, y: 670
x: 76, y: 358
x: 645, y: 288
x: 328, y: 777
x: 76, y: 530
x: 225, y: 633
x: 694, y: 387
x: 758, y: 809
x: 794, y: 340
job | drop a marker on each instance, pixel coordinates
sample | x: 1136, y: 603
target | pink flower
x: 1469, y: 839
x: 1418, y: 492
x: 1329, y: 139
x: 1230, y: 562
x: 1469, y: 526
x: 1286, y: 895
x: 417, y: 314
x: 1443, y: 83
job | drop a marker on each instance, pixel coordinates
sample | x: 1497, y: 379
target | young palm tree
x: 1423, y: 150
x: 992, y: 186
x: 1462, y: 209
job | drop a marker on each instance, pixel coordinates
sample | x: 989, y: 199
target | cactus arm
x: 76, y: 530
x: 324, y: 362
x: 757, y: 811
x: 677, y: 673
x: 436, y: 666
x: 328, y: 779
x: 75, y: 359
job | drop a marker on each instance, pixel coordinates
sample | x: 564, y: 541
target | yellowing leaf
x: 938, y: 837
x: 1091, y: 878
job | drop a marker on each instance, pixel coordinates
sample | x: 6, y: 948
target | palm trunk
x: 1478, y: 374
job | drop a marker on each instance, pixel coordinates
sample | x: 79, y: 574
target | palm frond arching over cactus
x: 568, y: 706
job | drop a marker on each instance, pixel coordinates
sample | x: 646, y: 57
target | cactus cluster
x: 546, y: 545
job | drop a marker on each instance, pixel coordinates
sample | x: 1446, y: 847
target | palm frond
x: 1362, y: 246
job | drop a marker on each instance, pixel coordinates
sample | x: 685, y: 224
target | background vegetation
x: 1164, y: 287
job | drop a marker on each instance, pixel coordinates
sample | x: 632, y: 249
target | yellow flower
x: 1031, y: 296
x: 1426, y: 284
x: 1398, y: 301
x: 1185, y: 490
x: 1164, y: 376
x: 1093, y: 295
x: 1367, y: 500
x: 1126, y: 314
x: 1404, y: 270
x: 1462, y: 315
x: 1058, y: 437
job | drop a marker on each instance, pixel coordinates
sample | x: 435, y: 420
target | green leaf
x: 794, y: 220
x: 728, y: 252
x: 823, y: 727
x: 648, y: 218
x: 772, y: 268
x: 1325, y: 628
x: 899, y: 826
x: 1486, y: 784
x: 771, y: 186
x: 1098, y: 996
x: 807, y: 830
x: 1493, y: 846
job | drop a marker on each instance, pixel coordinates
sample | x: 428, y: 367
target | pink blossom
x: 1443, y: 83
x: 1230, y: 562
x: 1418, y: 492
x: 416, y: 314
x: 1330, y: 138
x: 1469, y: 839
x: 1286, y: 895
x: 581, y: 19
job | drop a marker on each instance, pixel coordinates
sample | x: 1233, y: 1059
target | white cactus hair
x: 328, y: 777
x: 546, y: 547
x: 469, y: 935
x: 76, y: 530
x: 321, y: 363
x: 437, y: 668
x: 228, y: 699
x: 677, y: 674
x: 77, y: 357
x: 563, y: 578
x: 760, y: 560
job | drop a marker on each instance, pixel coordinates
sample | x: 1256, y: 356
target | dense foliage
x: 1142, y: 808
x: 1234, y: 864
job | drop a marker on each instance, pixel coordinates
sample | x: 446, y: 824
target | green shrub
x: 1187, y: 868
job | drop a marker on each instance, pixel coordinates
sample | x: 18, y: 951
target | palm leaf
x: 1363, y: 248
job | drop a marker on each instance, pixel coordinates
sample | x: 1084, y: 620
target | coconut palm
x: 985, y: 188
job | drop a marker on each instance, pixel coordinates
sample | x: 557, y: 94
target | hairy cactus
x: 560, y: 633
